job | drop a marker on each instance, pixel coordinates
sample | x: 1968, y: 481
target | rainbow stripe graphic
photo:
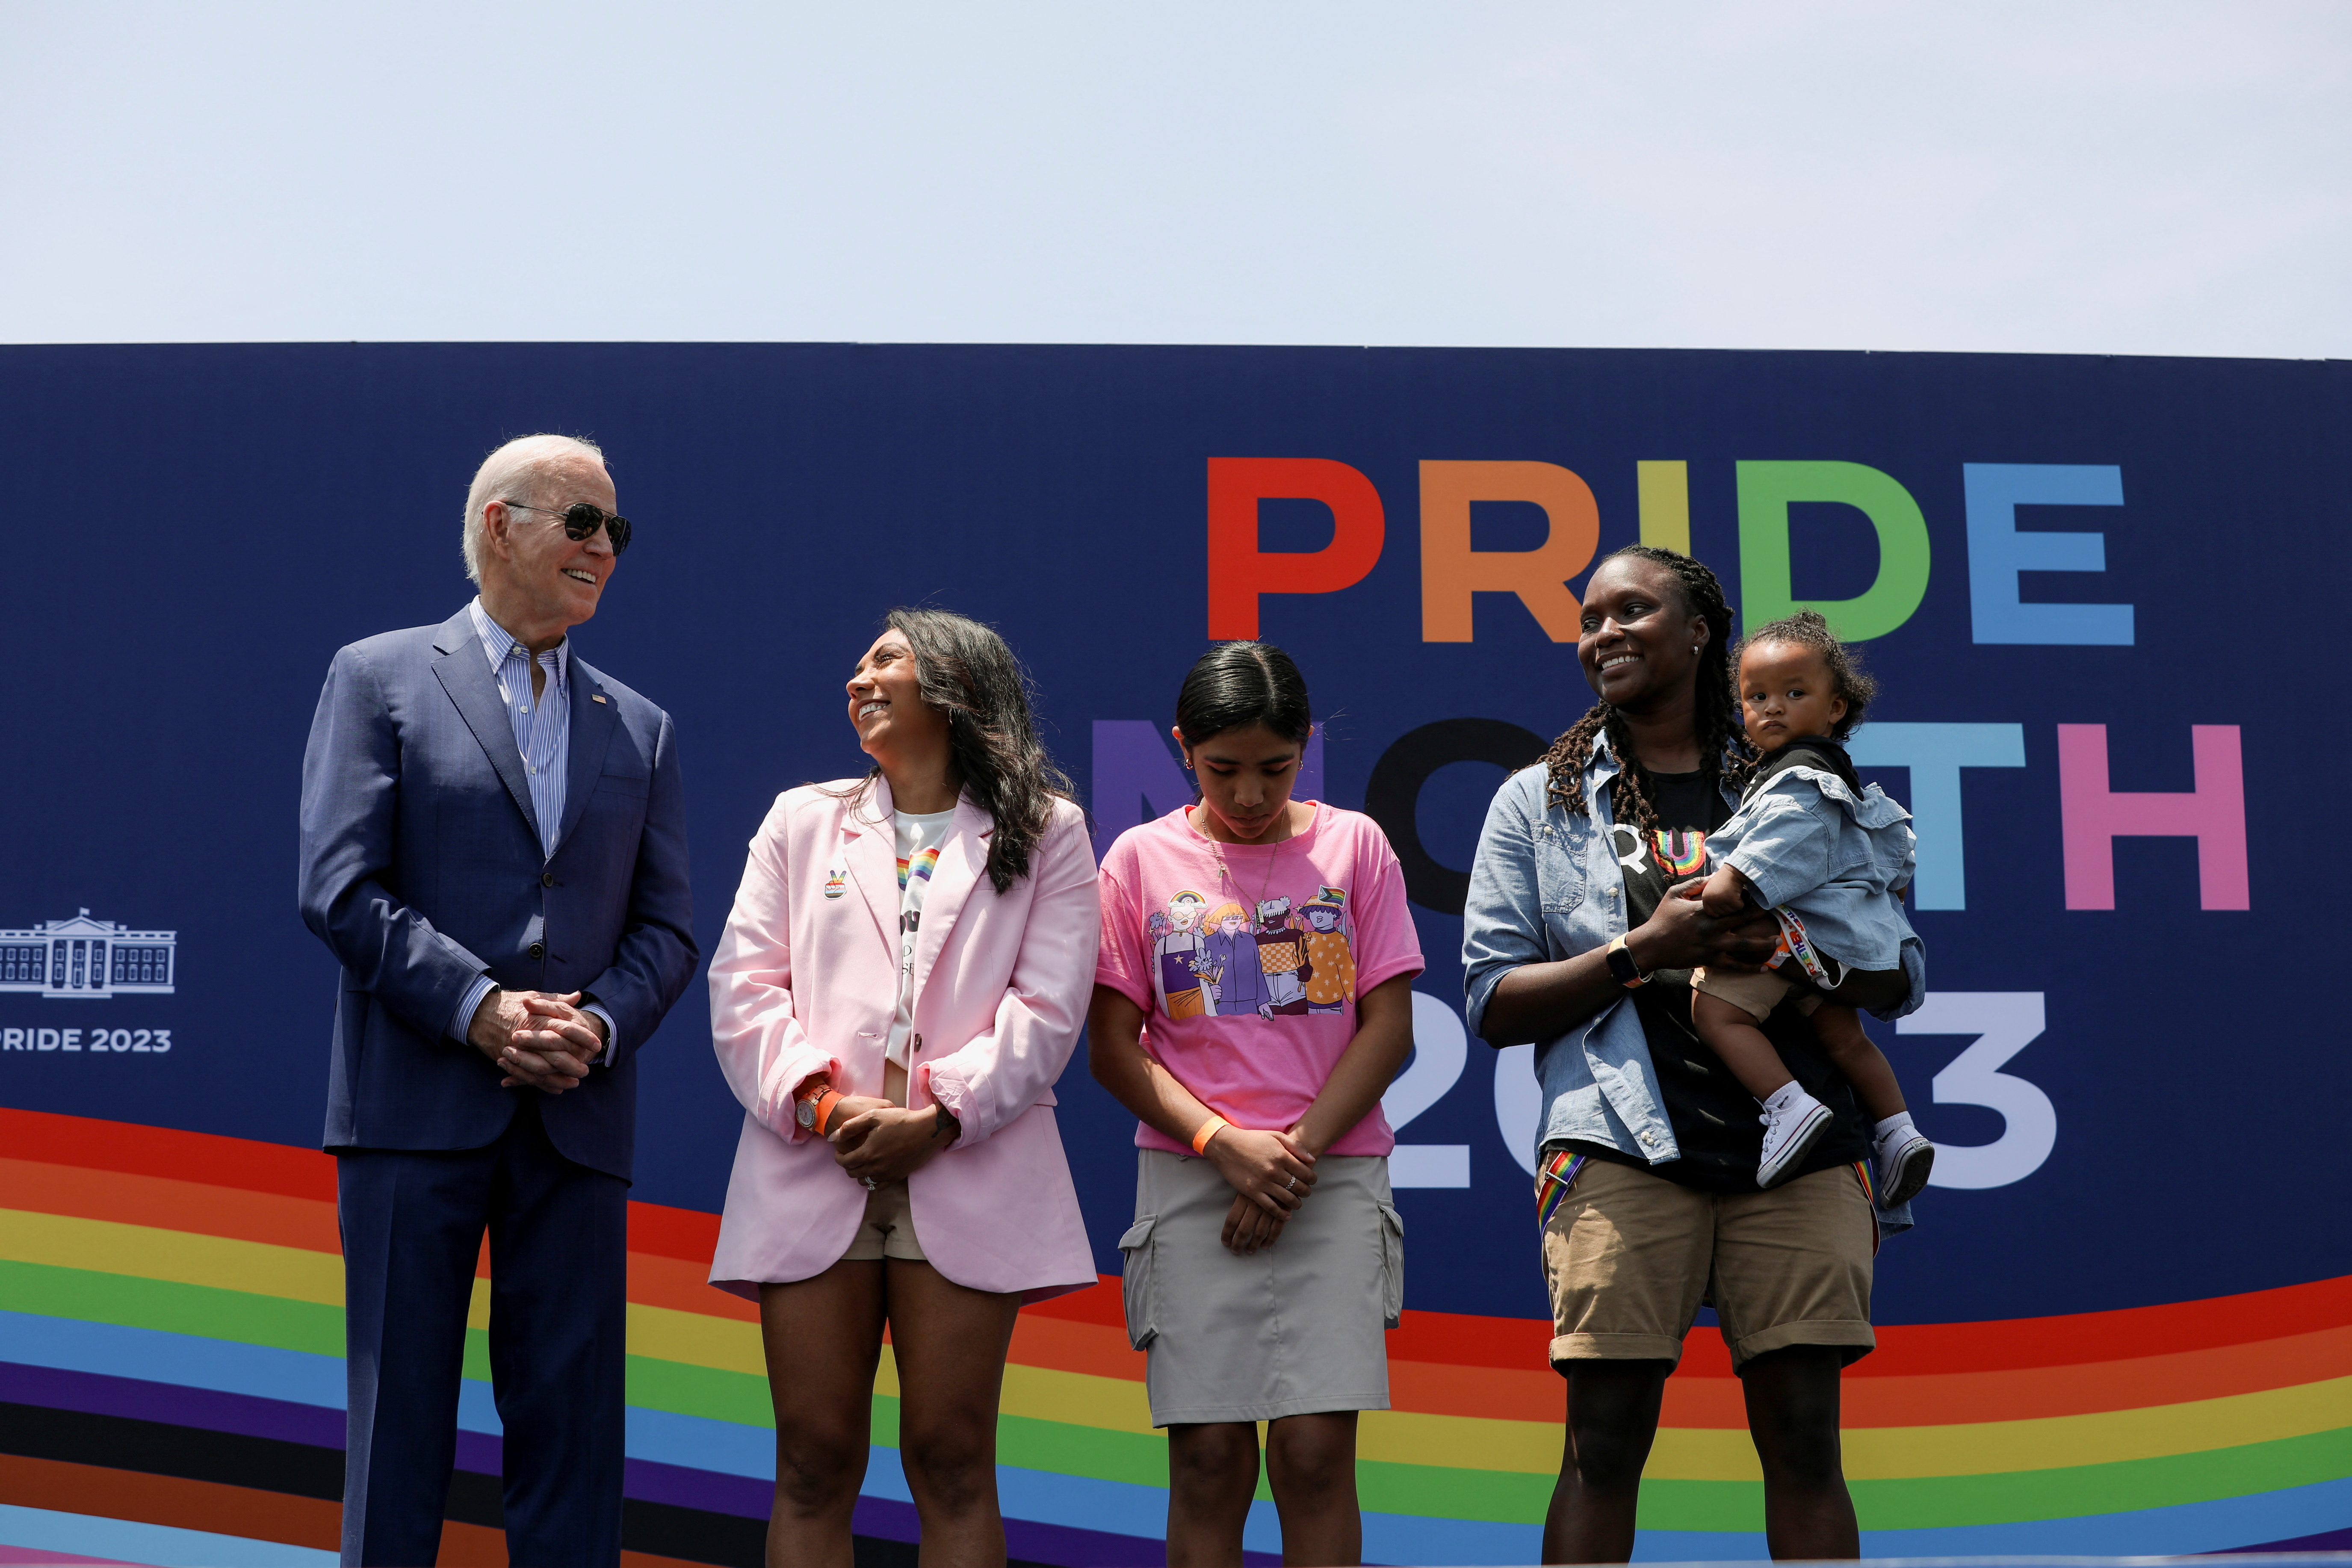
x: 1680, y: 854
x: 171, y: 1385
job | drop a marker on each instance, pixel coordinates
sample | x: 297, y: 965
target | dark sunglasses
x: 582, y: 519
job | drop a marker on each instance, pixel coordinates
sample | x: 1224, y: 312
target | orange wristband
x: 1209, y: 1129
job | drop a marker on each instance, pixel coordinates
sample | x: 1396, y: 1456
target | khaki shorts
x: 888, y: 1230
x: 1629, y: 1256
x: 1759, y: 993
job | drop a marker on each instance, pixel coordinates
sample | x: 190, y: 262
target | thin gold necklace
x: 1224, y: 873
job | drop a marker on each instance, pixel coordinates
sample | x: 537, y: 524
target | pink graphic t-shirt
x: 1247, y: 960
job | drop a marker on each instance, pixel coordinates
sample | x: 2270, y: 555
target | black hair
x: 1722, y: 746
x: 963, y: 670
x: 1809, y: 628
x: 1238, y: 684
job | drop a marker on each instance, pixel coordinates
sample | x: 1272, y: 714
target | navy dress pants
x: 412, y: 1226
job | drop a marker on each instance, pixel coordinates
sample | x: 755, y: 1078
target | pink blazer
x: 805, y: 981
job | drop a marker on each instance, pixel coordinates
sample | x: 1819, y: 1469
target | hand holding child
x: 1724, y: 894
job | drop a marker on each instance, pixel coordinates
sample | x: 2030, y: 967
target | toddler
x: 1828, y: 859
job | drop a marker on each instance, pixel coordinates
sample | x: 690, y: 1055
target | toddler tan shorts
x: 1759, y: 993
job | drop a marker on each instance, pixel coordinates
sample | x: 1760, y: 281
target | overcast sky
x: 2141, y: 177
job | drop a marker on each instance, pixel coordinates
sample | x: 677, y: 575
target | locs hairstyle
x: 1238, y: 684
x: 1722, y: 744
x: 1808, y: 628
x: 964, y: 671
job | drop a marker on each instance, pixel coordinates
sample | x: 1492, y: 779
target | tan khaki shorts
x: 1629, y: 1256
x: 888, y: 1228
x: 1759, y: 993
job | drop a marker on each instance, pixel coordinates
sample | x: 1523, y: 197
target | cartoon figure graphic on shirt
x: 1233, y: 964
x: 1282, y: 955
x: 1331, y: 965
x: 1179, y: 955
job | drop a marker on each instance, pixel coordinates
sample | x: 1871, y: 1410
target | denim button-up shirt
x: 1547, y: 885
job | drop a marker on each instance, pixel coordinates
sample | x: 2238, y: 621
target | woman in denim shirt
x: 1582, y: 928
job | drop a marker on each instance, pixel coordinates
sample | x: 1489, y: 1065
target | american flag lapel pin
x: 596, y: 697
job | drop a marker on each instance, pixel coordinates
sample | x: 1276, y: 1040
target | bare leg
x: 1792, y: 1415
x: 1613, y: 1418
x: 1730, y: 1032
x: 951, y: 1341
x: 1310, y: 1464
x: 822, y: 1337
x: 1863, y: 1064
x: 1211, y: 1471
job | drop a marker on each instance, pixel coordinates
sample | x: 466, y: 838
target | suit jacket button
x: 538, y: 949
x: 547, y: 878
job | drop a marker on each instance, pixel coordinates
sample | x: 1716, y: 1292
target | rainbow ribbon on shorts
x: 1553, y: 1178
x: 1795, y: 944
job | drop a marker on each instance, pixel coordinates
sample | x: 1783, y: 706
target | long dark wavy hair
x: 1722, y: 743
x: 964, y: 671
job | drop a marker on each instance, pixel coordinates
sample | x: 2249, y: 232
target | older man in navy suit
x: 494, y: 848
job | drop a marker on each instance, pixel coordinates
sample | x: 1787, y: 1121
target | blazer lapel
x: 872, y: 853
x: 591, y: 738
x: 964, y: 861
x: 465, y: 673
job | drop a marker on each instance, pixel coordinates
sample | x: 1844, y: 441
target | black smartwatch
x: 946, y: 1123
x: 1622, y: 965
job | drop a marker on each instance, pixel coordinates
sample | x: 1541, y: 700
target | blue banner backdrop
x: 2100, y: 595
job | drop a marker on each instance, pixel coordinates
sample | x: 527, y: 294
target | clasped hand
x: 537, y: 1038
x: 1271, y: 1174
x: 876, y: 1140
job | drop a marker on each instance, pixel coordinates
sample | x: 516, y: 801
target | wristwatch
x: 1620, y: 964
x: 812, y: 1110
x: 946, y: 1123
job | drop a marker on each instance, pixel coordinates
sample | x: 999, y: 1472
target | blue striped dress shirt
x: 542, y: 732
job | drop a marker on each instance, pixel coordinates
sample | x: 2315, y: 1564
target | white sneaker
x: 1791, y: 1130
x: 1903, y: 1161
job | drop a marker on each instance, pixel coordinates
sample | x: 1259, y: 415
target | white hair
x: 514, y: 473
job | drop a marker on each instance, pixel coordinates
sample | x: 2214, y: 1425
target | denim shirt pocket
x: 1559, y: 864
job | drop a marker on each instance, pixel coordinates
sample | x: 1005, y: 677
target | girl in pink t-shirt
x: 1251, y: 1005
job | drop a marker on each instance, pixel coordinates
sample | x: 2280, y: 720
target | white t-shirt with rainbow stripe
x: 919, y: 838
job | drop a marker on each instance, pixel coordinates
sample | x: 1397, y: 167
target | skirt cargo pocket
x: 1391, y: 1267
x: 1134, y: 1286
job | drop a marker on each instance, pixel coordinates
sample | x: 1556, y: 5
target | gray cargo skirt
x: 1295, y: 1328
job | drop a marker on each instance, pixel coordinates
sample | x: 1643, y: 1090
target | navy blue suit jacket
x: 422, y: 869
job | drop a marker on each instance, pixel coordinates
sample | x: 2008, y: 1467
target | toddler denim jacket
x: 1547, y: 885
x: 1805, y: 840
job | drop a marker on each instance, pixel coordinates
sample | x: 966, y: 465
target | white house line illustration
x: 86, y: 959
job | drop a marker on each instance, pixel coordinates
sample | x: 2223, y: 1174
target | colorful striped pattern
x: 1554, y: 1177
x: 920, y: 868
x: 154, y: 1281
x: 1680, y: 854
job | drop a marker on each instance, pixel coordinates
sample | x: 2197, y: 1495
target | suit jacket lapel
x: 591, y: 738
x: 872, y: 853
x: 465, y: 673
x: 964, y: 861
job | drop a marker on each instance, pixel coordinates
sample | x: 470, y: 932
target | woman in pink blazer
x: 901, y: 980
